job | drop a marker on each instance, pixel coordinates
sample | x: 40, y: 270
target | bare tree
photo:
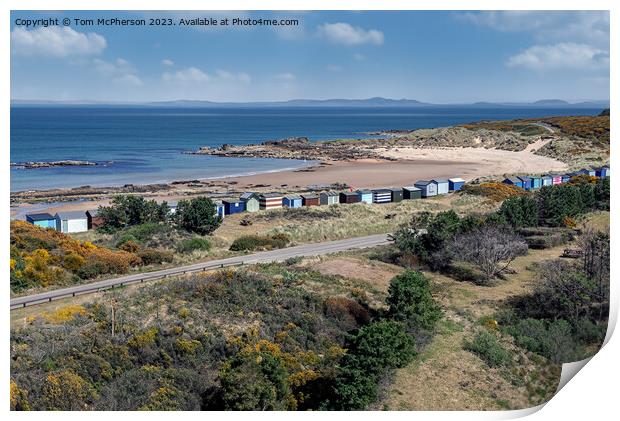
x: 491, y: 248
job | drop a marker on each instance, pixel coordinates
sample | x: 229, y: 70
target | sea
x: 143, y: 145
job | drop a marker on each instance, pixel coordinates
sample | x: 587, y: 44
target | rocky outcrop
x: 46, y: 164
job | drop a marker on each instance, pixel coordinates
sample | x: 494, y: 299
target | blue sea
x: 141, y: 145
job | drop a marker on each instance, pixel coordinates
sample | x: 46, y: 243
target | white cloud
x: 560, y: 56
x: 119, y: 71
x: 55, y: 41
x: 194, y: 75
x: 346, y: 34
x: 559, y: 26
x: 285, y: 77
x: 191, y: 75
x: 167, y: 62
x: 359, y: 57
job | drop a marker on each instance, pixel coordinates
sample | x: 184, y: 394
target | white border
x: 592, y: 394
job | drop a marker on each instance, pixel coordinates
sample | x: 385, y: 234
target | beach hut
x: 429, y: 188
x: 94, y: 219
x: 397, y: 194
x: 310, y: 199
x: 269, y: 201
x: 365, y: 195
x: 556, y: 178
x: 329, y: 198
x: 233, y: 206
x: 587, y: 172
x: 251, y: 201
x: 566, y: 177
x: 527, y: 181
x: 537, y: 182
x: 70, y: 222
x: 455, y: 184
x: 443, y: 185
x: 43, y: 220
x: 220, y: 210
x: 172, y: 206
x: 349, y: 197
x: 547, y: 180
x: 381, y: 196
x: 602, y: 172
x: 292, y: 201
x: 412, y: 192
x: 515, y: 181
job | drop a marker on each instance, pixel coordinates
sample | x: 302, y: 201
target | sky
x: 430, y: 56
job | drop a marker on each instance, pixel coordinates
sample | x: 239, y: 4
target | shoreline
x: 408, y: 164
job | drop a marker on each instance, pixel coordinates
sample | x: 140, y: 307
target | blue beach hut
x: 566, y: 177
x: 381, y: 196
x: 527, y: 181
x: 365, y: 196
x: 547, y: 180
x: 221, y: 210
x: 602, y: 172
x: 292, y: 201
x: 233, y: 206
x: 456, y: 183
x: 537, y: 182
x: 515, y: 181
x: 43, y: 220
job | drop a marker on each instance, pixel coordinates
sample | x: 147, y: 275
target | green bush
x: 520, y: 211
x: 195, y: 243
x: 154, y: 256
x: 125, y: 237
x: 410, y: 301
x: 198, y: 215
x: 552, y: 340
x: 376, y: 349
x: 255, y: 242
x: 488, y: 348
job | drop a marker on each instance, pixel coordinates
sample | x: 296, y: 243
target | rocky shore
x: 49, y: 164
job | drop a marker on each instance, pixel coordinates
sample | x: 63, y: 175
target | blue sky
x: 440, y: 57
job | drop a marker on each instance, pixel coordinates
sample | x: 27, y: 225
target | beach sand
x: 410, y: 164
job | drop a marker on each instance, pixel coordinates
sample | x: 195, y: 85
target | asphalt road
x: 314, y: 249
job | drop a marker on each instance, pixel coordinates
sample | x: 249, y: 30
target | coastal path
x: 305, y: 250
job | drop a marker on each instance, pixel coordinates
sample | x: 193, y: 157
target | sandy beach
x: 410, y: 164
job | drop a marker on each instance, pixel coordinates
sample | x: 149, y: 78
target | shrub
x: 125, y: 237
x: 494, y: 191
x: 154, y: 256
x: 552, y: 340
x: 410, y: 301
x: 520, y: 211
x: 255, y: 242
x: 130, y: 246
x: 195, y: 243
x: 376, y: 349
x: 198, y: 215
x: 345, y: 310
x: 129, y: 210
x: 488, y: 348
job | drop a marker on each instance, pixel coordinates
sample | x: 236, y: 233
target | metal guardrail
x: 121, y: 283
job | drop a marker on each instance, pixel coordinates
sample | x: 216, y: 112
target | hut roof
x: 71, y: 215
x: 440, y: 180
x: 381, y: 191
x: 231, y: 201
x: 92, y: 212
x: 364, y: 191
x: 293, y: 197
x: 330, y: 193
x: 40, y: 216
x: 411, y: 188
x: 524, y: 178
x: 395, y: 189
x: 271, y: 195
x: 515, y: 179
x: 247, y: 196
x: 310, y: 196
x: 424, y: 182
x: 349, y: 193
x: 456, y: 180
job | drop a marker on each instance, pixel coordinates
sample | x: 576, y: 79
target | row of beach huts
x: 79, y: 221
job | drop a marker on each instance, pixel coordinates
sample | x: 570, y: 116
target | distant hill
x: 374, y: 102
